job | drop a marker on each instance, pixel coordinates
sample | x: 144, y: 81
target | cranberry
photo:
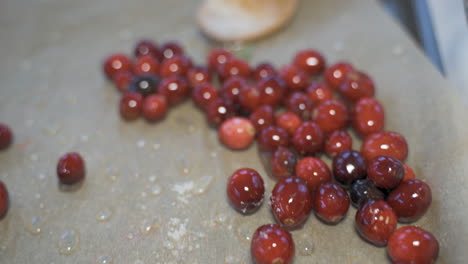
x: 412, y: 244
x: 291, y: 202
x: 308, y: 138
x: 176, y: 65
x: 271, y: 138
x: 122, y: 80
x: 385, y: 171
x: 310, y: 61
x: 236, y: 133
x: 319, y: 92
x: 131, y: 105
x: 385, y: 143
x: 232, y: 88
x: 249, y: 98
x: 283, y: 163
x: 204, y: 94
x: 331, y: 202
x: 368, y: 116
x: 300, y: 104
x: 363, y: 191
x: 146, y: 64
x: 331, y: 115
x: 356, y: 85
x: 6, y: 137
x: 313, y: 171
x: 198, y: 75
x: 144, y: 84
x: 349, y: 166
x: 71, y: 168
x: 146, y: 47
x: 334, y: 75
x: 337, y: 141
x: 295, y: 78
x: 262, y: 117
x: 154, y: 107
x: 288, y: 121
x: 245, y: 190
x: 217, y: 57
x: 409, y: 173
x: 272, y: 90
x: 219, y: 110
x: 234, y: 67
x: 376, y: 221
x: 272, y: 244
x: 4, y: 200
x: 410, y: 200
x: 262, y: 71
x: 169, y: 50
x: 116, y: 63
x: 175, y: 89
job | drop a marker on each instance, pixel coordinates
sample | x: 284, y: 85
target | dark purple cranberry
x: 349, y: 166
x: 363, y: 191
x: 144, y: 84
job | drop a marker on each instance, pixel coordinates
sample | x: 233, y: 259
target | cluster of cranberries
x: 295, y: 113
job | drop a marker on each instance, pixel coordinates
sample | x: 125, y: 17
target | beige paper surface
x: 53, y: 95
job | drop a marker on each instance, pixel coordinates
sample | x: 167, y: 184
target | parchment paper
x: 56, y: 100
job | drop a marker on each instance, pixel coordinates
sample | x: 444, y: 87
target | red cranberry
x: 368, y: 117
x: 271, y: 138
x: 204, y: 94
x: 245, y: 190
x: 349, y: 166
x: 334, y: 75
x: 313, y: 171
x: 146, y: 47
x: 262, y: 117
x: 319, y: 92
x: 272, y: 90
x: 122, y: 80
x: 300, y: 104
x: 144, y: 84
x: 410, y: 200
x: 295, y: 78
x: 331, y: 202
x: 412, y: 244
x: 283, y: 163
x: 385, y: 171
x: 154, y: 107
x: 363, y: 191
x: 291, y: 202
x: 288, y: 121
x: 219, y: 110
x: 116, y: 63
x: 250, y: 98
x: 176, y: 65
x: 331, y: 115
x: 217, y: 57
x: 175, y: 89
x: 234, y: 67
x: 272, y: 244
x: 198, y: 75
x: 71, y: 168
x: 236, y: 133
x: 232, y: 88
x: 4, y: 200
x: 131, y: 105
x: 146, y: 64
x: 308, y: 138
x: 262, y: 71
x: 385, y: 143
x: 356, y: 85
x: 310, y: 61
x: 409, y: 173
x: 169, y: 50
x: 376, y: 221
x: 6, y: 137
x: 337, y: 141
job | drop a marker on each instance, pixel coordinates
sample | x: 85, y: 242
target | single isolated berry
x: 71, y: 168
x: 154, y: 107
x: 331, y: 202
x: 131, y: 106
x: 349, y: 166
x: 412, y: 244
x: 236, y: 133
x: 4, y: 200
x: 272, y: 244
x: 6, y: 136
x: 313, y: 171
x: 385, y: 143
x: 376, y: 221
x: 245, y: 190
x: 410, y: 200
x: 283, y: 163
